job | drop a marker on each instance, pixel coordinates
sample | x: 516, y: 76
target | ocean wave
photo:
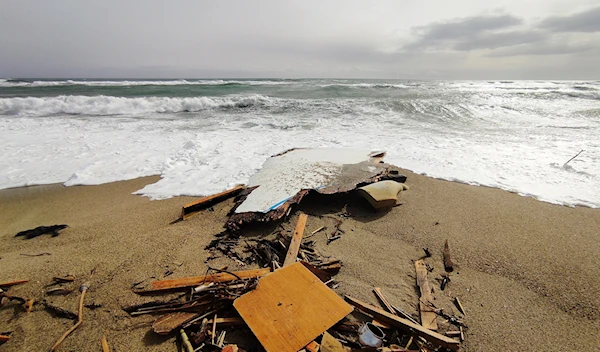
x: 14, y: 83
x: 108, y: 105
x: 365, y: 85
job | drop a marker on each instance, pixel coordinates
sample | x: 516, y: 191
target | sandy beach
x: 527, y: 272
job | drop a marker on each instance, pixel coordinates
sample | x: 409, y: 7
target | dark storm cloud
x: 445, y: 34
x: 586, y: 21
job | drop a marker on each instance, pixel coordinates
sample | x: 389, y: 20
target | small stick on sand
x: 84, y: 287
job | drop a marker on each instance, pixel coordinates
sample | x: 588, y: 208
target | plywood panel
x: 289, y: 308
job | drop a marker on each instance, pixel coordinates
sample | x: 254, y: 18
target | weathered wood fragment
x: 172, y: 284
x: 428, y: 316
x: 405, y: 324
x: 169, y: 322
x: 383, y: 300
x: 4, y: 338
x: 294, y: 246
x: 104, y: 343
x: 448, y: 265
x: 459, y: 305
x: 192, y: 208
x: 185, y: 341
x: 290, y: 308
x: 13, y: 283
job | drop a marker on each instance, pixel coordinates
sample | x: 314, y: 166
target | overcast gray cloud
x: 271, y: 38
x: 585, y: 21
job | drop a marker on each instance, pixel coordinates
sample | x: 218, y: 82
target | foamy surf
x: 475, y: 132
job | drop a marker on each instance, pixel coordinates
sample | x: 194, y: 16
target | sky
x: 402, y: 39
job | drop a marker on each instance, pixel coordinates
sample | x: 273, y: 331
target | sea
x: 205, y: 135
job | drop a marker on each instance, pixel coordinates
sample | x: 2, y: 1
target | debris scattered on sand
x: 286, y: 302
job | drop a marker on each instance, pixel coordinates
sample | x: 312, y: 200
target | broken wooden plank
x: 289, y: 308
x: 448, y: 265
x: 169, y: 322
x: 233, y: 321
x: 186, y: 282
x: 383, y: 300
x: 294, y: 246
x: 13, y: 283
x: 428, y: 316
x: 404, y: 324
x: 313, y: 347
x: 192, y: 208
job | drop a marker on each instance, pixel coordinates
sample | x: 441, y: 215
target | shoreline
x: 526, y: 269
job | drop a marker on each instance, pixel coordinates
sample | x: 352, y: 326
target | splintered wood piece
x: 289, y: 308
x: 4, y: 338
x: 162, y: 285
x: 12, y: 283
x: 320, y: 273
x: 459, y: 305
x: 191, y: 208
x: 383, y: 300
x: 169, y: 322
x: 105, y: 347
x: 331, y: 344
x: 313, y: 347
x: 404, y: 324
x: 428, y: 316
x: 292, y: 253
x: 447, y: 260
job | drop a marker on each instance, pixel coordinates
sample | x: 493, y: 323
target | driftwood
x: 4, y: 338
x: 192, y: 208
x: 294, y: 246
x: 404, y: 324
x: 41, y: 230
x: 427, y: 315
x: 83, y: 289
x: 184, y: 283
x: 447, y: 260
x: 459, y: 305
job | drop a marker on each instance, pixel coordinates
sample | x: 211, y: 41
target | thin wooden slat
x: 384, y: 301
x: 171, y: 284
x: 290, y: 308
x: 428, y: 316
x: 292, y: 253
x: 404, y: 324
x: 191, y: 208
x: 13, y: 283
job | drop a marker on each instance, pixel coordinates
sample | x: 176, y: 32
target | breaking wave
x: 107, y: 105
x: 8, y: 83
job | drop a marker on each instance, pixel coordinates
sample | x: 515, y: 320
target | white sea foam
x: 125, y: 83
x: 506, y: 141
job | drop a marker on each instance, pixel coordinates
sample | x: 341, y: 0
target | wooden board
x: 185, y: 282
x: 289, y: 308
x: 292, y: 253
x: 191, y: 208
x: 405, y: 324
x: 428, y: 316
x: 169, y: 322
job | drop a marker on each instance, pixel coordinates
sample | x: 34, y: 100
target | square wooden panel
x: 289, y: 308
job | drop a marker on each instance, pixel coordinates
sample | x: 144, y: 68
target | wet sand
x: 527, y: 272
